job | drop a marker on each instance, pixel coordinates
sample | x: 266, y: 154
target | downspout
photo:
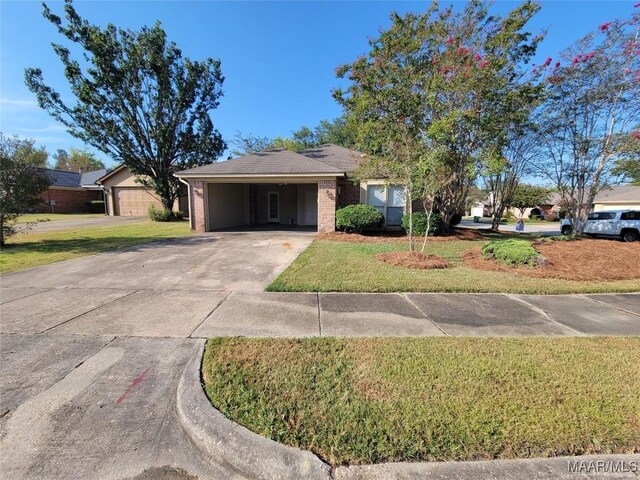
x: 191, y: 219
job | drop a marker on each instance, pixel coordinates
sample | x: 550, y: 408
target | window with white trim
x: 390, y: 201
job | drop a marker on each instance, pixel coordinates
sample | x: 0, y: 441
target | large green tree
x: 528, y: 196
x: 138, y: 99
x: 77, y: 159
x: 591, y: 118
x: 22, y: 179
x: 443, y: 87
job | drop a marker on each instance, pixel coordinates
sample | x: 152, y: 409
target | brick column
x: 196, y: 216
x: 327, y: 205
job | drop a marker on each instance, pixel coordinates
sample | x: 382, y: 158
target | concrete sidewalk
x: 262, y: 314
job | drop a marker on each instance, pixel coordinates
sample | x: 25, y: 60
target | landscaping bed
x: 354, y: 401
x: 578, y: 260
x: 416, y: 260
x: 32, y: 249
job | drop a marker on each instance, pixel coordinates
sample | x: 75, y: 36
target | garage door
x: 133, y: 201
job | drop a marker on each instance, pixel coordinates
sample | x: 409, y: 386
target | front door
x: 310, y: 205
x: 273, y: 203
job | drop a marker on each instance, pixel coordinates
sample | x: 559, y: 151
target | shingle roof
x: 89, y: 179
x: 342, y: 158
x: 61, y: 178
x: 270, y: 162
x: 621, y: 194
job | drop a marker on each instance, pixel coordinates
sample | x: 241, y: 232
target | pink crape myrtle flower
x: 604, y: 26
x: 483, y: 64
x: 547, y: 62
x: 477, y: 57
x: 636, y: 5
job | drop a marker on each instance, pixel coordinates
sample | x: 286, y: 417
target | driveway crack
x: 88, y: 311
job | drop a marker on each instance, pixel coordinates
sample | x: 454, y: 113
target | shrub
x: 456, y: 218
x: 156, y: 214
x: 358, y: 218
x: 95, y: 206
x: 177, y: 215
x: 420, y: 223
x: 511, y: 252
x: 510, y: 217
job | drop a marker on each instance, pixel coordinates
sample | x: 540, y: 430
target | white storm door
x: 273, y: 207
x: 310, y: 207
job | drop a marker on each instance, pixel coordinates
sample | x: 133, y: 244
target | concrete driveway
x: 86, y: 391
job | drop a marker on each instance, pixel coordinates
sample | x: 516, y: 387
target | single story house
x: 124, y: 196
x: 69, y: 191
x: 282, y: 187
x: 623, y: 197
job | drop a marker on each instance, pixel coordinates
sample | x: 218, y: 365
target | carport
x: 275, y: 187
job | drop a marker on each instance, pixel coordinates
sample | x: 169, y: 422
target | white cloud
x: 17, y: 102
x: 47, y: 129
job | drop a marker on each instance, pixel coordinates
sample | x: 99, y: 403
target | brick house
x: 69, y: 191
x: 281, y: 187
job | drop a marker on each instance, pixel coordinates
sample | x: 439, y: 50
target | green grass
x: 32, y: 249
x: 329, y: 266
x: 52, y: 217
x: 431, y: 399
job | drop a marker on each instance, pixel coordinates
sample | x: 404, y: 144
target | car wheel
x: 630, y: 236
x: 566, y: 230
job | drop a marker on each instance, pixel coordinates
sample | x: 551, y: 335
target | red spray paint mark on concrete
x: 135, y: 382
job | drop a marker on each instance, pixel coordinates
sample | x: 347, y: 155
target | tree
x: 76, y: 160
x: 22, y: 179
x: 25, y: 150
x: 248, y: 144
x: 629, y: 169
x: 590, y: 119
x: 339, y: 131
x: 528, y: 196
x: 138, y: 99
x: 448, y: 84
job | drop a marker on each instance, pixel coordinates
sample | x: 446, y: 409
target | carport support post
x: 327, y: 190
x: 196, y: 198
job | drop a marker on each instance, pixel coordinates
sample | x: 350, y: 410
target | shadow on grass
x: 89, y: 245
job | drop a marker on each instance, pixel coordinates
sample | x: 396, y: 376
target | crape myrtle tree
x: 590, y: 120
x: 77, y: 159
x: 452, y: 84
x: 138, y: 99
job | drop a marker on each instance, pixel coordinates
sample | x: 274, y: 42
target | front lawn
x: 432, y: 399
x: 343, y: 266
x: 31, y: 249
x: 52, y: 217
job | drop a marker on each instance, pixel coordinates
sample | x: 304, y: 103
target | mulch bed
x: 415, y: 260
x: 386, y: 237
x: 580, y: 260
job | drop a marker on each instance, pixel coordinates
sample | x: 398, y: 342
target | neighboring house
x: 124, y: 196
x: 278, y: 186
x: 624, y: 197
x: 69, y: 191
x: 549, y: 210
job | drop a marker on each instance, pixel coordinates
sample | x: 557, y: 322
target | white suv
x: 624, y: 224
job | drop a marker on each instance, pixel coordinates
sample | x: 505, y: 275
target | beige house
x: 280, y: 187
x: 624, y: 197
x: 124, y: 196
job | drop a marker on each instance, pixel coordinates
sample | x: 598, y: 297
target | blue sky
x: 279, y: 58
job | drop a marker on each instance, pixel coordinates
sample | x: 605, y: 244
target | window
x: 601, y: 216
x: 390, y: 201
x: 630, y: 216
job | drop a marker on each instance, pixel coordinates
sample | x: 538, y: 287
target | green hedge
x: 95, y: 206
x: 511, y: 252
x: 358, y: 218
x: 420, y: 223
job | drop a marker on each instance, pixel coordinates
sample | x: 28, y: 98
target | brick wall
x: 197, y: 206
x: 348, y: 193
x: 327, y: 190
x: 67, y: 200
